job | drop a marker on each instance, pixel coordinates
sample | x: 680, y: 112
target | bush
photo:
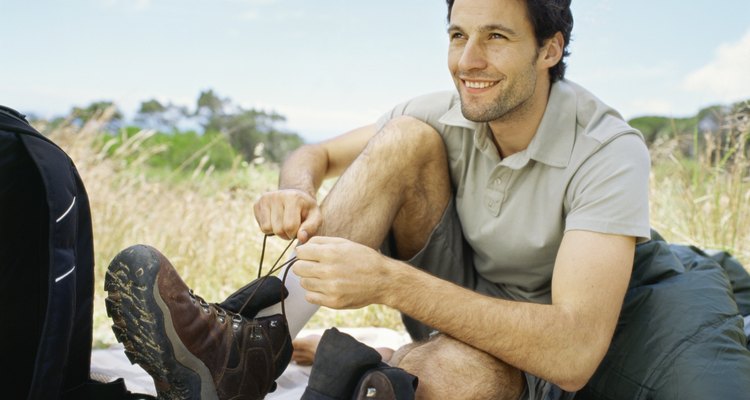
x: 177, y: 151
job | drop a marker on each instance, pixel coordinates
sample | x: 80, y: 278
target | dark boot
x: 386, y: 383
x: 340, y: 361
x: 345, y: 368
x: 192, y: 349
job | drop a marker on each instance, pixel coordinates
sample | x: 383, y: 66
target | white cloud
x: 727, y: 75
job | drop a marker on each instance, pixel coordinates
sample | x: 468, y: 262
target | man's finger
x: 304, y: 268
x: 291, y: 221
x: 263, y: 217
x: 310, y: 225
x: 277, y: 221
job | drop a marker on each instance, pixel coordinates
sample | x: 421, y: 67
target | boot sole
x: 143, y: 324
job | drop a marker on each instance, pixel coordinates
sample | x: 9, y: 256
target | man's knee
x: 410, y: 135
x: 447, y: 368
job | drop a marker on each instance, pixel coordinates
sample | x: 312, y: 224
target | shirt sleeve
x: 610, y: 190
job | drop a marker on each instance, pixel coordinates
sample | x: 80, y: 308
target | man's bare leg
x: 400, y: 182
x: 449, y: 369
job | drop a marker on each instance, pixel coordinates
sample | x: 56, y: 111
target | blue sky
x: 332, y: 65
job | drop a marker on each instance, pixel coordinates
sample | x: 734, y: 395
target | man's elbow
x: 574, y: 383
x: 576, y: 374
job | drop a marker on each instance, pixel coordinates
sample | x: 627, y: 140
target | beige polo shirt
x: 585, y: 169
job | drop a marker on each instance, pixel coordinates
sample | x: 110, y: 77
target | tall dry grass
x: 202, y: 220
x: 704, y: 200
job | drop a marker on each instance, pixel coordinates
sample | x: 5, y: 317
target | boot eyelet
x: 221, y: 314
x: 236, y: 321
x: 205, y: 306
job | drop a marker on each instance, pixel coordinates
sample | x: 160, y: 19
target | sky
x: 329, y: 66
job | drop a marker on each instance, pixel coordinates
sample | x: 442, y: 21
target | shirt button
x: 498, y: 181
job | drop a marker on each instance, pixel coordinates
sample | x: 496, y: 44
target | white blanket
x: 111, y: 363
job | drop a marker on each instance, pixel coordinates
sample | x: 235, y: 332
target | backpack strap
x: 64, y: 353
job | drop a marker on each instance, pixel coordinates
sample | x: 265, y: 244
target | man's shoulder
x: 595, y: 119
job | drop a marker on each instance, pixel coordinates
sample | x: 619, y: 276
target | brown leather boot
x: 192, y: 349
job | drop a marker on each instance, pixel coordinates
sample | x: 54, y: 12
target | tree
x: 210, y: 109
x: 96, y: 110
x: 153, y: 114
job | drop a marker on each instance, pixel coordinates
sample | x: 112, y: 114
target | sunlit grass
x: 704, y: 200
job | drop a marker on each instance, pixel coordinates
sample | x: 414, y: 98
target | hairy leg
x: 449, y: 369
x: 399, y: 183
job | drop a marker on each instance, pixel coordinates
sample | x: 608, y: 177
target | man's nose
x: 473, y: 56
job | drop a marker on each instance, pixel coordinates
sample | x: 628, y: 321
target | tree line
x: 215, y: 121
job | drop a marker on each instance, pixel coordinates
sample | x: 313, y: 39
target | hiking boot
x: 192, y: 349
x: 386, y: 383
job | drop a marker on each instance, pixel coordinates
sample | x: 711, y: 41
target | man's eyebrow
x: 486, y: 28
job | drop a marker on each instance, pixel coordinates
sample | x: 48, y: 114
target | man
x: 517, y: 202
x: 524, y: 188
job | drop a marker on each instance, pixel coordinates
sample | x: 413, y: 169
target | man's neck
x: 513, y: 132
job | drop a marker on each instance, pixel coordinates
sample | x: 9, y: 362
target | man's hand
x: 340, y: 274
x: 288, y: 213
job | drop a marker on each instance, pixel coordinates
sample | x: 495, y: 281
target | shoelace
x: 221, y: 313
x: 276, y: 267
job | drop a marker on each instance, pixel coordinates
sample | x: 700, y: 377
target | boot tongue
x: 255, y: 296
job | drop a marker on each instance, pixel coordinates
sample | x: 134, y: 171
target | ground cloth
x: 111, y: 363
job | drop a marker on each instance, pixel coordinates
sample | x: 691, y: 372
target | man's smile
x: 479, y: 84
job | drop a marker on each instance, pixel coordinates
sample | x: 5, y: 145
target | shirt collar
x: 454, y: 117
x: 554, y: 139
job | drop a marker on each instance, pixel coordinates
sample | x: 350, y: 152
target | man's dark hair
x: 547, y: 18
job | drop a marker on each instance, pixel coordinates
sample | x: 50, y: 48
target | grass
x: 705, y: 200
x: 202, y: 220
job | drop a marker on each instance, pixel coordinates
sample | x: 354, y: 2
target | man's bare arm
x: 562, y: 342
x: 292, y: 211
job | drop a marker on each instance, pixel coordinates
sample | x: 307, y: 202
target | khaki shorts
x: 448, y: 256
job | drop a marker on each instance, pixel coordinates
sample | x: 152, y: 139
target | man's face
x: 492, y: 57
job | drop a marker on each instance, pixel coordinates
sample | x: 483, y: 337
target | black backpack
x: 46, y: 270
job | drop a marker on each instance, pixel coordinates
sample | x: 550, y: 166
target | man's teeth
x: 478, y: 85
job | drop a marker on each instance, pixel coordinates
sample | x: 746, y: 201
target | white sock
x: 298, y: 310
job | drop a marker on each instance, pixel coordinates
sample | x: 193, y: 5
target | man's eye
x: 456, y: 35
x: 497, y: 36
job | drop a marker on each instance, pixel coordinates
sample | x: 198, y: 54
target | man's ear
x: 552, y: 51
